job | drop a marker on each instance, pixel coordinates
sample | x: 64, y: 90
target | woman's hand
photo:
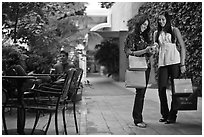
x: 155, y: 48
x: 128, y: 52
x: 148, y: 49
x: 183, y: 69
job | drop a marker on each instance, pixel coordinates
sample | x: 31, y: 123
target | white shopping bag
x: 182, y: 86
x: 135, y: 79
x: 137, y: 63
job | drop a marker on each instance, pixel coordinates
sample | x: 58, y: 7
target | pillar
x: 122, y: 57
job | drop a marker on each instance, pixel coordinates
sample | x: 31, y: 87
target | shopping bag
x: 183, y: 101
x: 135, y: 79
x: 137, y: 63
x: 182, y: 86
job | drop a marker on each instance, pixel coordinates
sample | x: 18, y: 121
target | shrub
x: 107, y: 55
x: 187, y: 16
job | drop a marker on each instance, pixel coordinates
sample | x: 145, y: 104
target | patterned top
x: 135, y: 44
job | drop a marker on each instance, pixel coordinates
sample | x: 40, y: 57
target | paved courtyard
x: 106, y: 107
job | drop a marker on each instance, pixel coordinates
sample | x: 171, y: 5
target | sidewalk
x: 108, y: 107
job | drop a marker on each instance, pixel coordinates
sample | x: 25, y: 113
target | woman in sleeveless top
x: 171, y: 62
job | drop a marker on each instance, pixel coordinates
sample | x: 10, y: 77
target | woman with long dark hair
x: 138, y: 44
x: 171, y: 62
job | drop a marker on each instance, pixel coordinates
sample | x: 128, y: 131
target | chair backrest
x: 67, y: 84
x: 4, y: 96
x: 76, y: 83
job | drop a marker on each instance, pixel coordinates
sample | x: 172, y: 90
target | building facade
x: 115, y: 26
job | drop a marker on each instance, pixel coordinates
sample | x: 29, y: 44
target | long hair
x: 167, y: 28
x: 140, y: 19
x: 13, y: 58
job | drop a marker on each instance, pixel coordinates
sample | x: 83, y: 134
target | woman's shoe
x: 170, y: 121
x: 141, y: 125
x: 163, y: 120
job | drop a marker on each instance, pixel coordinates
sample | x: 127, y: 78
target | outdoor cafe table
x: 20, y: 110
x: 44, y: 75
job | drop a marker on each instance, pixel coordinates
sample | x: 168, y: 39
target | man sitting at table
x: 62, y: 66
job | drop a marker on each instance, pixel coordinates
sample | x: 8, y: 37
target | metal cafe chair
x: 51, y: 100
x: 72, y: 94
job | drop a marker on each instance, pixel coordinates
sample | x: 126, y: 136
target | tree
x: 107, y: 5
x: 44, y: 27
x: 107, y: 54
x: 33, y: 19
x: 13, y: 12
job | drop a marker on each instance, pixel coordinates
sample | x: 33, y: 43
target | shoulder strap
x: 155, y: 35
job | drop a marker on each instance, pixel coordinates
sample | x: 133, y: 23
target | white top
x: 168, y: 53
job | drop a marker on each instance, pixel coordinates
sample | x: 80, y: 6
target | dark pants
x: 166, y: 72
x: 139, y: 101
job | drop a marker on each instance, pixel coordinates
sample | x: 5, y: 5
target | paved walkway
x: 106, y: 108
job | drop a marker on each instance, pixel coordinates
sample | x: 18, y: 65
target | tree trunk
x: 16, y: 23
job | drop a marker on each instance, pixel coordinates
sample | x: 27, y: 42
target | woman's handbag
x: 137, y: 63
x: 184, y: 101
x: 135, y: 79
x: 183, y: 98
x: 182, y: 86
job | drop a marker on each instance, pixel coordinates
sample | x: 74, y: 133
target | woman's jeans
x: 166, y: 72
x: 139, y: 100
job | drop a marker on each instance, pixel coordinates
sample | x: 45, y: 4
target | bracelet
x: 132, y: 52
x: 182, y: 65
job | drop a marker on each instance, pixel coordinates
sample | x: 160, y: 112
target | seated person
x: 14, y: 68
x: 62, y: 66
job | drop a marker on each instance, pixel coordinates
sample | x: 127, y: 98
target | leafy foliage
x: 107, y: 55
x: 107, y: 5
x: 44, y: 26
x: 187, y: 16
